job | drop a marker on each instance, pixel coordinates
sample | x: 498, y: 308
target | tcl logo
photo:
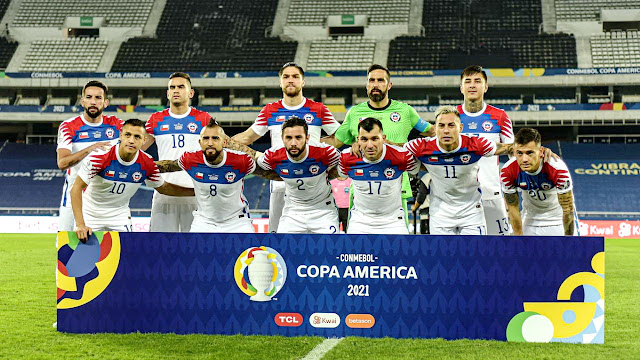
x: 288, y: 319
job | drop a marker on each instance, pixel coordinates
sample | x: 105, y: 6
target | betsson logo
x: 288, y: 319
x: 364, y: 321
x: 324, y: 320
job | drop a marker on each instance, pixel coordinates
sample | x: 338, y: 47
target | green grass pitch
x: 27, y: 311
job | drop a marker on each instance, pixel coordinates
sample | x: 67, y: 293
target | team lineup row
x: 197, y: 158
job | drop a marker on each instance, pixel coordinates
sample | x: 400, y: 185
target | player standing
x: 218, y: 178
x: 79, y: 136
x: 377, y: 182
x: 397, y: 118
x: 175, y: 130
x: 111, y: 179
x: 305, y: 167
x: 271, y: 118
x: 455, y: 204
x: 547, y: 196
x: 480, y: 119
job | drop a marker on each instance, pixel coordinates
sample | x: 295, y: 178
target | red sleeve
x: 188, y: 160
x: 333, y: 157
x: 265, y: 160
x: 151, y: 124
x: 482, y: 146
x: 508, y: 176
x: 506, y: 129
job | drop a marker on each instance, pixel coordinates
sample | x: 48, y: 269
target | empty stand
x: 76, y: 54
x: 615, y: 49
x: 44, y: 13
x: 315, y: 12
x: 589, y: 10
x: 220, y: 35
x: 7, y: 48
x: 341, y: 53
x: 494, y: 34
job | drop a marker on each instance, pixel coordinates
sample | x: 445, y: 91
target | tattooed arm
x: 168, y: 166
x: 267, y: 174
x: 238, y: 146
x: 504, y: 149
x: 513, y: 209
x: 566, y: 202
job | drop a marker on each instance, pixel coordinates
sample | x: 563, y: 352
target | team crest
x: 487, y: 126
x: 565, y: 185
x: 314, y: 169
x: 110, y: 133
x: 308, y: 118
x: 192, y: 127
x: 395, y: 117
x: 136, y: 176
x: 389, y: 172
x: 230, y: 176
x: 546, y: 186
x: 465, y: 158
x: 178, y: 126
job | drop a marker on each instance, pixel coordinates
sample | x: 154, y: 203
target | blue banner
x: 504, y: 288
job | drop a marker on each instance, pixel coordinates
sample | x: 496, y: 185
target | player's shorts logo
x: 192, y: 127
x: 546, y: 186
x: 230, y: 176
x: 314, y: 169
x: 109, y: 133
x: 487, y: 126
x: 465, y: 158
x: 260, y: 272
x: 308, y: 118
x: 395, y: 117
x: 389, y: 172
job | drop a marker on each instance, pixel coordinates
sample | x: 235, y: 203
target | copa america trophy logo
x: 260, y: 272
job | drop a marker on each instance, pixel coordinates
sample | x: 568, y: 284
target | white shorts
x: 121, y: 228
x: 362, y: 224
x: 66, y: 220
x: 276, y: 204
x: 495, y: 213
x: 551, y: 230
x: 241, y: 224
x: 473, y: 224
x: 172, y: 217
x: 322, y: 219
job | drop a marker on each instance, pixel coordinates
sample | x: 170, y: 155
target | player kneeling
x: 111, y: 179
x: 547, y: 196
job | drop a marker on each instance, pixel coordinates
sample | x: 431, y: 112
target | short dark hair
x: 473, y: 69
x: 135, y: 122
x: 367, y: 124
x: 527, y: 135
x: 96, y: 83
x: 212, y: 124
x: 289, y: 64
x: 379, y: 67
x: 178, y: 74
x: 295, y: 121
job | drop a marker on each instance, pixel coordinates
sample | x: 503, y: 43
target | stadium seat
x: 315, y: 12
x: 75, y: 54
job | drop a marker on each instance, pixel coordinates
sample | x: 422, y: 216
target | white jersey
x: 493, y: 124
x: 454, y: 187
x: 219, y: 188
x: 111, y: 184
x: 377, y: 186
x: 175, y: 134
x: 540, y: 206
x: 306, y: 180
x: 77, y: 134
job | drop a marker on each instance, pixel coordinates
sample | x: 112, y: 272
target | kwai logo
x: 324, y: 320
x: 260, y: 272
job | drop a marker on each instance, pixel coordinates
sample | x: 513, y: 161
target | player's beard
x: 292, y: 91
x: 300, y: 150
x: 96, y: 114
x: 213, y: 157
x: 377, y: 97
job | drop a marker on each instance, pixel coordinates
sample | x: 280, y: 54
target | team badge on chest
x: 110, y: 133
x: 230, y: 176
x: 487, y: 126
x: 395, y: 117
x: 136, y: 176
x: 546, y: 186
x: 389, y: 172
x: 314, y: 169
x: 192, y: 127
x: 308, y: 118
x: 465, y: 158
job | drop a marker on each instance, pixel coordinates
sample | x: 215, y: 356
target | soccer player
x: 218, y: 178
x: 81, y: 135
x: 377, y: 182
x: 271, y: 118
x: 547, y: 196
x: 175, y: 130
x: 480, y: 119
x: 397, y: 118
x: 111, y: 178
x: 306, y: 168
x: 455, y: 204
